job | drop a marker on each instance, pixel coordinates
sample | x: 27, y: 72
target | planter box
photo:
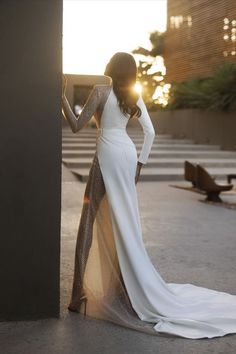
x: 202, y: 126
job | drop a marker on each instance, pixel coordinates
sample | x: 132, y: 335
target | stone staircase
x: 166, y: 160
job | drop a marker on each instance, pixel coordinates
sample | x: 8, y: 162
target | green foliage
x: 157, y: 42
x: 216, y: 92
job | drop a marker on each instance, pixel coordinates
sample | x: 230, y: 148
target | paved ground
x: 188, y: 242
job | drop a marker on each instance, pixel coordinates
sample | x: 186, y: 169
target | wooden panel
x: 194, y: 43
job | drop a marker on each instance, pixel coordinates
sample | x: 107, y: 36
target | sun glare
x: 94, y: 30
x: 138, y: 87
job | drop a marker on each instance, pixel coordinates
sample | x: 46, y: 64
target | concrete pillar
x: 30, y: 158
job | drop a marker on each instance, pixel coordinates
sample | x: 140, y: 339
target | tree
x: 157, y: 41
x: 149, y: 75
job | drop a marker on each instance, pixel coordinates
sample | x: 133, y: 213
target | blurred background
x: 173, y: 42
x: 186, y: 58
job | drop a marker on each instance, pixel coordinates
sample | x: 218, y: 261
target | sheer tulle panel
x: 94, y: 193
x: 97, y: 273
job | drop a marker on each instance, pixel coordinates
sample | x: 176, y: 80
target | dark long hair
x: 123, y: 71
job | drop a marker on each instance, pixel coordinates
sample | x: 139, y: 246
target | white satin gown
x: 119, y: 279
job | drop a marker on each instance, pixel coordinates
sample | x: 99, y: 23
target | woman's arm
x: 149, y: 132
x: 88, y: 110
x: 149, y: 135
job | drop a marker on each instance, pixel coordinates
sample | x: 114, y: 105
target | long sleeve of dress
x: 148, y: 129
x: 88, y: 110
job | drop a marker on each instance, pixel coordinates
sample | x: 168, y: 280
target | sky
x: 94, y: 30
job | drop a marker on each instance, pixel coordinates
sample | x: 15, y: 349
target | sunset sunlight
x: 94, y: 30
x: 138, y: 87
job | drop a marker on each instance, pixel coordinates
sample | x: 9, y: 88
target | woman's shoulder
x: 106, y: 85
x: 102, y: 89
x: 102, y: 86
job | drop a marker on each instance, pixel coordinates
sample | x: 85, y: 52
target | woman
x: 113, y: 274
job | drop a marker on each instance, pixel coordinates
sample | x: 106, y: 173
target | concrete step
x: 166, y: 159
x: 179, y: 163
x: 155, y: 146
x: 163, y: 174
x: 164, y: 154
x: 135, y: 140
x: 94, y: 132
x: 158, y: 163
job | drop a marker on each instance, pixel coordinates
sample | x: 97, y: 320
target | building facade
x: 200, y: 34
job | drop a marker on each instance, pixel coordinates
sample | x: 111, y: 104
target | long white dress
x: 112, y: 266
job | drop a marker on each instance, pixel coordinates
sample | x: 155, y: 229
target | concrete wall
x: 30, y: 158
x: 200, y: 125
x: 83, y: 80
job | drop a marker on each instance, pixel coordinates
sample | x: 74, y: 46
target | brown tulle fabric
x: 97, y: 274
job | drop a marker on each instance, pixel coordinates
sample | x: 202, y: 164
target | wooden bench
x: 230, y: 177
x: 190, y: 172
x: 205, y: 182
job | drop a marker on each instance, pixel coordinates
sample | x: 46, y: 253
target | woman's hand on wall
x: 64, y: 83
